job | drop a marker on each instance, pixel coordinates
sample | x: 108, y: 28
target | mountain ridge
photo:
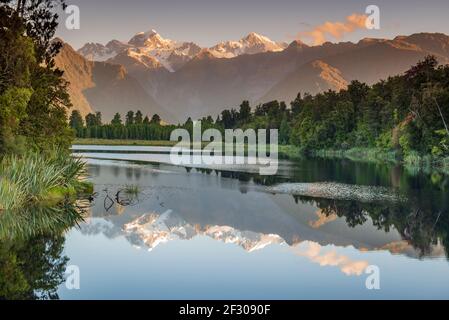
x: 205, y: 84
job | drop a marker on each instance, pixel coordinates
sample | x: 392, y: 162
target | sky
x: 207, y: 22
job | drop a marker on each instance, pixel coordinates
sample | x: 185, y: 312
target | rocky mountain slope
x: 187, y: 80
x: 104, y: 87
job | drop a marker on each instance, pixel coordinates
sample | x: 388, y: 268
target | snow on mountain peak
x: 257, y: 38
x: 251, y: 44
x: 173, y: 54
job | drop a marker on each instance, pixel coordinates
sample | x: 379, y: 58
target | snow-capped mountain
x: 98, y: 52
x: 144, y: 47
x: 95, y: 52
x: 251, y: 44
x: 208, y: 80
x: 173, y: 54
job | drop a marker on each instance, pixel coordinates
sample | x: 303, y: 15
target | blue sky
x: 208, y: 22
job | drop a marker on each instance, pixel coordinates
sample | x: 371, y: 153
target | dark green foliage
x: 404, y: 115
x: 117, y: 120
x: 76, y: 121
x: 156, y: 120
x: 138, y: 119
x: 33, y: 94
x: 130, y: 118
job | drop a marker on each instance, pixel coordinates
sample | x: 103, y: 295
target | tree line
x: 135, y: 126
x: 406, y: 113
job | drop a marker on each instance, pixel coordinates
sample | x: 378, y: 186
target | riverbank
x: 373, y: 155
x: 123, y: 142
x: 287, y: 151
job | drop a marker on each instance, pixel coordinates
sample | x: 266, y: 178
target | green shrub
x: 34, y: 177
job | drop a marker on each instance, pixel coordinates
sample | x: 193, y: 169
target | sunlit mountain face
x: 171, y: 54
x: 182, y: 79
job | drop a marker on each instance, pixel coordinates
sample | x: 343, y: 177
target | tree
x: 138, y: 119
x: 227, y: 119
x: 98, y: 121
x: 284, y: 132
x: 27, y: 67
x: 129, y: 118
x: 146, y: 120
x: 76, y: 120
x: 296, y: 105
x: 244, y: 112
x: 91, y: 120
x: 156, y: 119
x: 117, y: 120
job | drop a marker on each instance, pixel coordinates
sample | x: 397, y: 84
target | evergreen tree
x: 244, y: 112
x: 91, y: 120
x: 76, y: 120
x: 98, y: 121
x: 117, y: 120
x: 156, y: 119
x: 138, y: 118
x: 129, y: 118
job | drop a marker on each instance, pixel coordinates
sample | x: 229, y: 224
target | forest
x: 405, y: 116
x: 35, y: 161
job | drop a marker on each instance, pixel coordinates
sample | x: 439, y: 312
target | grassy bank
x: 288, y: 151
x: 40, y: 179
x: 374, y: 155
x: 122, y: 142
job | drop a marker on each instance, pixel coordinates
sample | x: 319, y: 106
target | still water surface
x: 198, y: 233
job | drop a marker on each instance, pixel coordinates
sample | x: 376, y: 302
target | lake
x: 203, y: 233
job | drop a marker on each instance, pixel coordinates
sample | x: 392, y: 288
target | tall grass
x: 32, y: 177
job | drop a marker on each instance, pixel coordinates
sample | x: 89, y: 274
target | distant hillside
x: 177, y: 81
x: 104, y: 87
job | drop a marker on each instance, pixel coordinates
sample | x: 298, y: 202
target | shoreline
x: 372, y: 155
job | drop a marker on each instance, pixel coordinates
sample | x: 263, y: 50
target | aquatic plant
x: 132, y: 190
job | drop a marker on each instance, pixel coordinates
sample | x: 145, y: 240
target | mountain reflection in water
x: 244, y: 209
x: 186, y: 225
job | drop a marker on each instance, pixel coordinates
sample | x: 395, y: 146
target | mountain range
x: 181, y: 79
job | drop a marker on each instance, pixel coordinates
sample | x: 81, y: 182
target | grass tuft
x: 33, y: 177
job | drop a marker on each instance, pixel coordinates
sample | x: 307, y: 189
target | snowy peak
x: 169, y: 53
x: 95, y: 52
x: 254, y: 39
x: 172, y: 55
x: 98, y: 52
x: 151, y: 40
x: 139, y: 39
x: 251, y: 44
x: 116, y: 46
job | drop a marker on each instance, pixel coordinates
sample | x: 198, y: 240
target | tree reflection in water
x: 32, y: 263
x: 422, y: 226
